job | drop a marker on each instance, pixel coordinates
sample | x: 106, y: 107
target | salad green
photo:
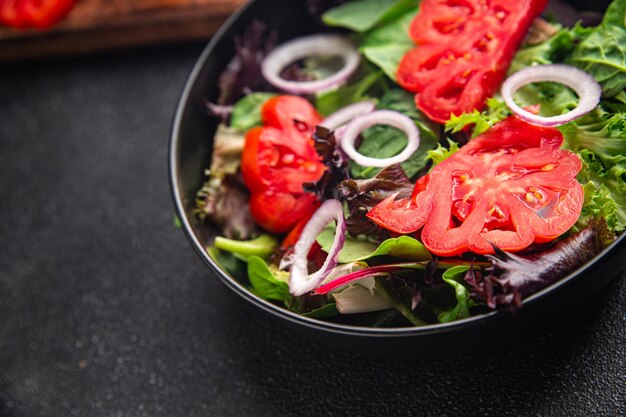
x: 416, y: 287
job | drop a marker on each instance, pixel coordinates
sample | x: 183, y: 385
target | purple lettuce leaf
x: 514, y: 277
x: 363, y: 195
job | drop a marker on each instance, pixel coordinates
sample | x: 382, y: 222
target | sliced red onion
x: 381, y: 117
x: 583, y: 84
x: 300, y: 282
x: 315, y: 45
x: 346, y: 114
x: 382, y: 270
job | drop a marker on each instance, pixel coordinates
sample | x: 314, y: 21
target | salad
x: 418, y: 162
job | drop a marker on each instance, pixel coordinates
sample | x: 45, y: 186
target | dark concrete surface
x: 105, y: 310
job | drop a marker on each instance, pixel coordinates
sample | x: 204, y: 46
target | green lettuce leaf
x: 403, y: 247
x: 455, y: 278
x: 603, y: 55
x: 386, y: 46
x: 267, y: 284
x: 387, y: 141
x: 553, y: 50
x: 616, y: 14
x: 605, y: 190
x: 496, y: 111
x: 442, y: 153
x: 247, y: 111
x: 363, y: 15
x: 329, y: 102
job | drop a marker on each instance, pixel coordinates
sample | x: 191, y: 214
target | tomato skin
x: 278, y: 212
x: 464, y: 50
x: 278, y: 159
x: 509, y: 187
x: 40, y: 14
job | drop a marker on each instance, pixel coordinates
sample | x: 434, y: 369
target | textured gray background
x: 105, y: 310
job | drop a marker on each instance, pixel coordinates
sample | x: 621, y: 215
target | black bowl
x: 190, y: 152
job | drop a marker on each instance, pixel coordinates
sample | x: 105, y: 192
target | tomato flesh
x: 278, y: 159
x: 40, y: 14
x: 509, y: 187
x: 464, y: 50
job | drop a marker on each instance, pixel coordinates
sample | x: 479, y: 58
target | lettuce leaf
x: 455, y: 278
x: 603, y: 55
x: 363, y: 15
x: 267, y: 284
x: 247, y: 111
x: 387, y: 141
x: 386, y: 46
x: 442, y: 153
x: 357, y: 249
x: 496, y: 111
x: 262, y: 246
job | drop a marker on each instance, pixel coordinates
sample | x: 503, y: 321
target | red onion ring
x: 381, y: 117
x: 315, y: 45
x: 346, y: 114
x: 300, y: 282
x: 583, y: 84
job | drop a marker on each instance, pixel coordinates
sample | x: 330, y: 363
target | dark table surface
x: 105, y: 310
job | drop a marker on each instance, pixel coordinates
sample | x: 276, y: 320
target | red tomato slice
x: 464, y: 50
x: 44, y: 13
x: 509, y: 187
x: 279, y: 212
x: 278, y: 159
x: 11, y: 15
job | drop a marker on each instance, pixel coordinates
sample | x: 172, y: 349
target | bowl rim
x: 479, y: 320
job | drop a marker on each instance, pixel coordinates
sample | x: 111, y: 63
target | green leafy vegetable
x: 227, y: 261
x: 324, y: 312
x: 442, y: 153
x: 496, y: 111
x: 616, y: 14
x: 455, y: 278
x: 265, y: 283
x: 603, y: 55
x: 387, y: 141
x: 331, y: 101
x: 385, y: 289
x: 247, y: 111
x: 386, y: 46
x: 605, y: 191
x: 403, y: 247
x: 552, y: 50
x: 262, y: 246
x: 363, y: 15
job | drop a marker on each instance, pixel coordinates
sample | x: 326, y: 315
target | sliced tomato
x: 464, y: 50
x: 11, y: 15
x: 279, y: 212
x: 40, y: 14
x: 509, y: 187
x: 278, y: 159
x: 43, y: 14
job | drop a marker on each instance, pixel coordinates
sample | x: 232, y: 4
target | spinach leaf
x: 455, y: 278
x: 247, y: 111
x: 387, y: 141
x: 603, y: 55
x: 265, y: 283
x: 363, y: 15
x: 386, y: 46
x: 324, y: 312
x: 403, y: 247
x: 616, y: 14
x: 329, y: 102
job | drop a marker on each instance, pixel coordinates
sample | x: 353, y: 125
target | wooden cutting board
x: 96, y: 25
